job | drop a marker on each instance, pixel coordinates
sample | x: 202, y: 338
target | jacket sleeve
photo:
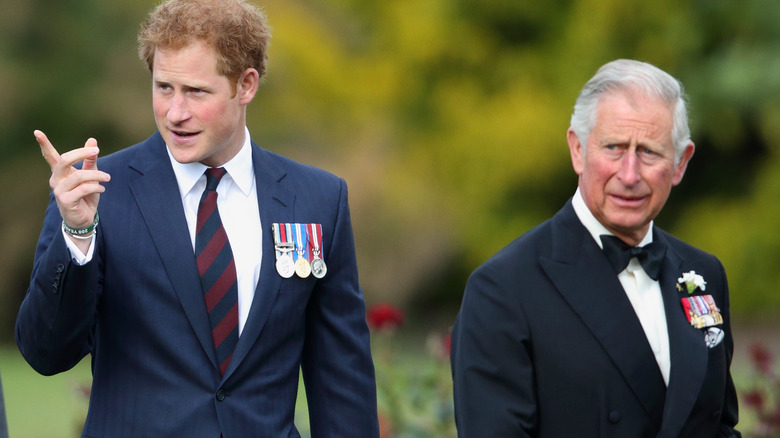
x: 492, y: 366
x: 54, y: 326
x: 730, y: 411
x: 337, y: 367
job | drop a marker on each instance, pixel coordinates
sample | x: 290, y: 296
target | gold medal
x: 302, y: 267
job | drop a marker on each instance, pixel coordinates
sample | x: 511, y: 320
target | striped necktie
x: 217, y: 271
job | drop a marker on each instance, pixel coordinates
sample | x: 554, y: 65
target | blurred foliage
x: 761, y: 397
x: 446, y: 117
x: 414, y: 386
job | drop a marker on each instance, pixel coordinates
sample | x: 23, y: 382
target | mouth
x: 628, y: 200
x: 182, y: 135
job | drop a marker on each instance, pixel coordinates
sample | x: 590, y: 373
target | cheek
x: 209, y: 114
x: 659, y: 179
x: 159, y: 107
x: 599, y: 171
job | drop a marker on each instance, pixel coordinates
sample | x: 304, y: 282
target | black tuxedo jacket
x: 547, y: 344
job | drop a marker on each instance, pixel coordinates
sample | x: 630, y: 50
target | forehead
x: 633, y: 116
x: 196, y: 59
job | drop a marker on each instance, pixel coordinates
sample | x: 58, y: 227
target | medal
x: 713, y: 336
x: 285, y: 266
x: 298, y: 250
x: 283, y: 248
x: 701, y: 311
x: 302, y: 266
x: 318, y: 267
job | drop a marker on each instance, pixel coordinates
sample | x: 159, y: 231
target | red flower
x: 762, y: 358
x: 384, y: 316
x: 754, y: 399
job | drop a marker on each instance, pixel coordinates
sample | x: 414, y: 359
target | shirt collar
x: 239, y: 169
x: 594, y: 227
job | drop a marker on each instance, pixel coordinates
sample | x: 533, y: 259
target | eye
x: 163, y: 87
x: 647, y: 152
x: 196, y: 91
x: 615, y: 149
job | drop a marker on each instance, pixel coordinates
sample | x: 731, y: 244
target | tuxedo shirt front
x: 643, y: 292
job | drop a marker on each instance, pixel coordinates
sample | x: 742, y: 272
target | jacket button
x: 614, y: 417
x: 60, y: 268
x: 220, y: 395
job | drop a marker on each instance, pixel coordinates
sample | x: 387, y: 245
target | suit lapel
x: 156, y: 186
x: 276, y: 204
x: 586, y: 280
x: 686, y: 346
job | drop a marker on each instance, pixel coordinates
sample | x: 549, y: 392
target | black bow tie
x: 650, y: 256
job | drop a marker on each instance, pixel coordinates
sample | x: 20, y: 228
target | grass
x: 38, y: 406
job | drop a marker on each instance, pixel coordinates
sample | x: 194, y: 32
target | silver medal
x: 318, y: 267
x: 285, y: 266
x: 713, y: 336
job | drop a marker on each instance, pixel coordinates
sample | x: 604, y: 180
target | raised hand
x: 77, y: 191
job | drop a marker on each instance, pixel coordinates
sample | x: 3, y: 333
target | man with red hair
x: 171, y: 262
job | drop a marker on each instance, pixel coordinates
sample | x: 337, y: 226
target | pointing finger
x: 47, y: 150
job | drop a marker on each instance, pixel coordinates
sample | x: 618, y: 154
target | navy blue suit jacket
x: 547, y: 344
x: 138, y: 309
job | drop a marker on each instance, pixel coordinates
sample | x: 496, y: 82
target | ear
x: 576, y: 150
x: 679, y: 168
x: 247, y: 86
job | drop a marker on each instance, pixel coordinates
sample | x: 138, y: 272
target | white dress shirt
x: 238, y: 209
x: 643, y: 292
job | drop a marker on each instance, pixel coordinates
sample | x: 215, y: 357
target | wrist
x: 82, y: 233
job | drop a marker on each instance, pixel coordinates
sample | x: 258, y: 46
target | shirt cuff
x: 75, y: 253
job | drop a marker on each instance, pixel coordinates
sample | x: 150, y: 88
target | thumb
x: 90, y: 163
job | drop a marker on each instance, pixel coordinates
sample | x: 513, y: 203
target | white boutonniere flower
x: 691, y: 280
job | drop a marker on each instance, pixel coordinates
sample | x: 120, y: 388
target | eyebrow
x: 185, y: 86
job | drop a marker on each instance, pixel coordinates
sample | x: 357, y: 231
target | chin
x: 184, y: 158
x: 628, y: 221
x: 633, y: 228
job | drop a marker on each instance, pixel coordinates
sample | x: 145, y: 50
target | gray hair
x: 630, y: 75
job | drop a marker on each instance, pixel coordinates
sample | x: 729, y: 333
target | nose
x: 178, y: 110
x: 629, y: 168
